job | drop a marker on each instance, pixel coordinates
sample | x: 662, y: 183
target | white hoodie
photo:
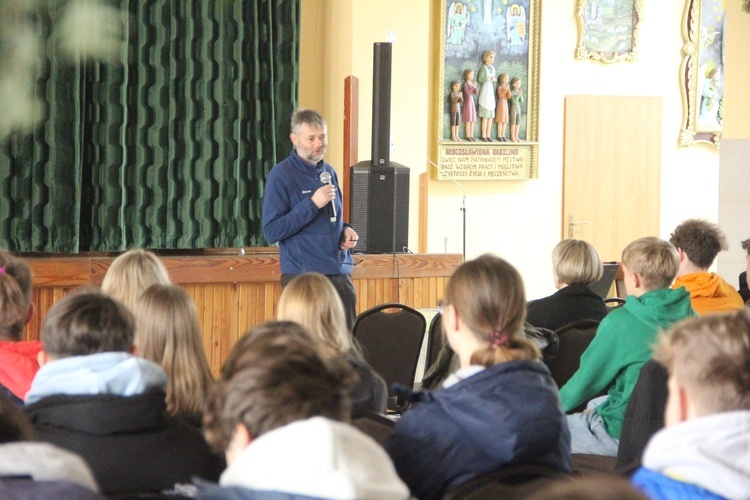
x: 712, y: 452
x: 320, y: 458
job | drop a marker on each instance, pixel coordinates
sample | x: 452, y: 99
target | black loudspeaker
x: 379, y: 207
x: 381, y: 104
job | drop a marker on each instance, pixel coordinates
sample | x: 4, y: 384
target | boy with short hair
x: 94, y: 398
x: 703, y: 450
x: 622, y: 345
x: 698, y: 242
x: 278, y: 414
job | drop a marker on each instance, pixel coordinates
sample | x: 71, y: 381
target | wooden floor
x: 233, y: 293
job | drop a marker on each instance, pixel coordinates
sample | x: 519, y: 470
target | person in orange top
x: 698, y: 242
x: 18, y: 360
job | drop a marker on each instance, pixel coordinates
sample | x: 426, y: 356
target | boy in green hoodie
x: 623, y: 344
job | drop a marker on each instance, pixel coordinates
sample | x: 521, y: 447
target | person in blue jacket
x: 296, y: 213
x: 500, y: 409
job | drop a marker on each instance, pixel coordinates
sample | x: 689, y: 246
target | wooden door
x: 612, y: 170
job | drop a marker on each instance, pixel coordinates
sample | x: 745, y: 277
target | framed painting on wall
x: 488, y: 90
x: 701, y: 72
x: 608, y: 29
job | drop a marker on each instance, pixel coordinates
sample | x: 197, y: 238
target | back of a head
x: 656, y: 260
x: 275, y: 375
x: 489, y: 297
x: 131, y: 273
x: 576, y: 262
x: 312, y: 301
x: 87, y: 323
x: 169, y: 334
x: 15, y: 295
x: 593, y: 487
x: 710, y: 358
x: 700, y: 240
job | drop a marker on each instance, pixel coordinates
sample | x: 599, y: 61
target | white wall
x: 734, y: 197
x: 521, y: 220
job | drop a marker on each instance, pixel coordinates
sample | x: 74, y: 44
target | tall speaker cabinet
x: 379, y: 207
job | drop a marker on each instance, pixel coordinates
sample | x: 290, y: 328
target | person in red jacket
x: 18, y: 359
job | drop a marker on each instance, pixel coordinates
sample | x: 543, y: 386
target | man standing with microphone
x: 302, y: 212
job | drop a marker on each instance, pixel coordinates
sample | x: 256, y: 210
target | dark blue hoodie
x: 308, y: 240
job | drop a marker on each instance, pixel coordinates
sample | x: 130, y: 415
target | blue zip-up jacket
x: 506, y: 415
x: 308, y: 240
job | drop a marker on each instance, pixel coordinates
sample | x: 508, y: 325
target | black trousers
x: 344, y: 286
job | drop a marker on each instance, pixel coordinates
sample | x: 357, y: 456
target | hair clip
x: 499, y: 339
x: 2, y: 270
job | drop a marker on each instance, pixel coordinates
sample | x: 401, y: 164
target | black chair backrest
x: 435, y: 339
x: 574, y: 339
x: 644, y: 415
x: 614, y: 303
x: 391, y: 341
x: 515, y: 481
x: 373, y: 424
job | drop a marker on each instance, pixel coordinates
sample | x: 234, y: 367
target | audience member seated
x: 312, y: 301
x: 575, y: 265
x: 93, y: 398
x: 169, y: 334
x: 131, y: 273
x: 622, y: 345
x: 18, y: 359
x: 38, y: 470
x: 501, y: 408
x: 703, y: 452
x: 277, y: 413
x: 744, y: 290
x: 698, y: 242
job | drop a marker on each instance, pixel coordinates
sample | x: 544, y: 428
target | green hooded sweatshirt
x: 623, y: 343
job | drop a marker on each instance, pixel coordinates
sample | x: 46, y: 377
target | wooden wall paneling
x: 220, y: 306
x: 234, y: 294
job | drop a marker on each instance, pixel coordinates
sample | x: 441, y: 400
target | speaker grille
x: 379, y: 207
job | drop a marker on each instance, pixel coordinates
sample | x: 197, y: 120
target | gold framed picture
x: 701, y: 71
x: 608, y: 30
x: 488, y: 97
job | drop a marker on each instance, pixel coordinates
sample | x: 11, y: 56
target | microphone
x: 325, y: 178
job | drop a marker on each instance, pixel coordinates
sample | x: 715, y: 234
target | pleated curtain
x: 169, y: 147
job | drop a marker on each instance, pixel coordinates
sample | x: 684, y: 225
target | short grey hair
x: 308, y: 116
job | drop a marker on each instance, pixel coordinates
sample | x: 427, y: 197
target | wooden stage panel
x: 234, y: 293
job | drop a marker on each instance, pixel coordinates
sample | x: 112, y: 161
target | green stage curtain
x: 167, y: 148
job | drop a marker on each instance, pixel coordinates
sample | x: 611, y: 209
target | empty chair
x: 574, y: 338
x: 391, y: 337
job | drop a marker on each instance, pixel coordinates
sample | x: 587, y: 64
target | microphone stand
x: 463, y: 208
